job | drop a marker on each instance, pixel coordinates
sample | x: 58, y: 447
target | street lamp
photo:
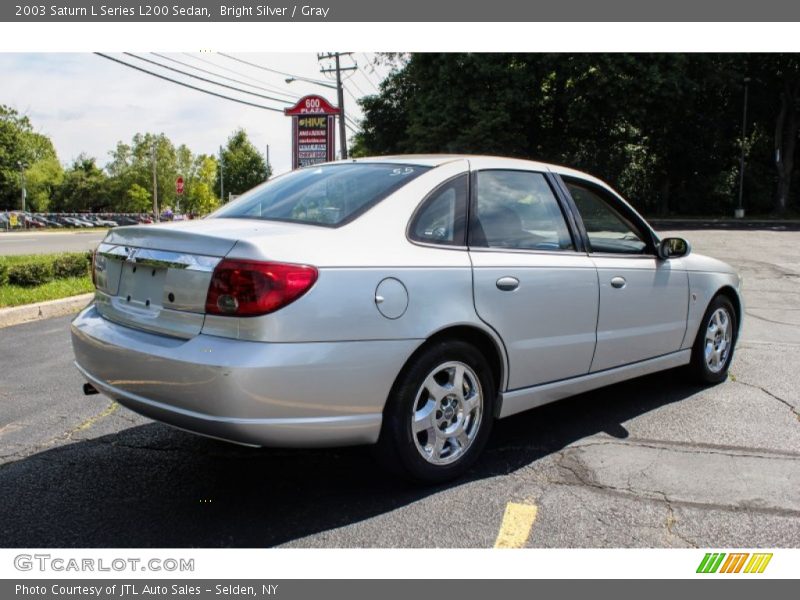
x: 340, y: 94
x: 739, y: 212
x: 314, y: 81
x: 22, y: 166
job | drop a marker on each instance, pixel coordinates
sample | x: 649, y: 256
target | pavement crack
x: 671, y: 521
x: 783, y: 401
x: 760, y: 318
x: 668, y: 446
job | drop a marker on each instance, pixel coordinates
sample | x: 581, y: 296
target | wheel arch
x: 484, y: 341
x: 731, y: 294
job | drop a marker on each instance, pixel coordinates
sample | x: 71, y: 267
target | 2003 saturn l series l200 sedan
x: 400, y: 301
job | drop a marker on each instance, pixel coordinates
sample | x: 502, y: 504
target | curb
x: 43, y: 310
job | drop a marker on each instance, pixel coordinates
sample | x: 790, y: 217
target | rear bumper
x: 261, y: 394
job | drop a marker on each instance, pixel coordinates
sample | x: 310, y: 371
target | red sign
x: 179, y: 186
x: 313, y: 129
x: 311, y: 105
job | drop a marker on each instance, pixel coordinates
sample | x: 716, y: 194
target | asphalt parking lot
x: 656, y: 462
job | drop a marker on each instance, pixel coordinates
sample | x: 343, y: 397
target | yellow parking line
x: 111, y: 408
x: 516, y: 527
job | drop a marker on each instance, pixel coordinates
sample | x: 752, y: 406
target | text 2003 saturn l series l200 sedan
x: 405, y: 301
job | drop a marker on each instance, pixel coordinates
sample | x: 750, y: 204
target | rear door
x: 643, y: 300
x: 532, y: 282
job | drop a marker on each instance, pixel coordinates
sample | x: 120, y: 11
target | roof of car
x: 477, y: 161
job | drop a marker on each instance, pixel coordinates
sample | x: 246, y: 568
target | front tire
x: 439, y: 413
x: 713, y: 347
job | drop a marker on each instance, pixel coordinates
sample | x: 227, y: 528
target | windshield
x: 324, y: 195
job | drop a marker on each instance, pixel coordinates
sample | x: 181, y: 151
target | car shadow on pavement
x: 154, y: 486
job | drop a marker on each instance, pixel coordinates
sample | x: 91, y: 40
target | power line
x: 186, y: 85
x: 218, y: 66
x: 239, y: 81
x: 355, y: 85
x: 263, y: 68
x: 369, y: 81
x: 349, y: 93
x: 366, y: 76
x: 230, y: 87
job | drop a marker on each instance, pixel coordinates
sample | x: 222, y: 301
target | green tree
x: 199, y: 196
x: 137, y: 200
x: 43, y: 180
x: 664, y: 128
x: 243, y: 167
x: 84, y: 187
x: 19, y: 143
x: 132, y: 164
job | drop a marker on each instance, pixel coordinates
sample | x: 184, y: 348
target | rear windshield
x: 325, y: 195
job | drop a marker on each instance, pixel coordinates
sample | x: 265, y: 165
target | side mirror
x: 673, y: 248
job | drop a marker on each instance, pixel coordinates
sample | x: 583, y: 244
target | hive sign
x: 313, y: 131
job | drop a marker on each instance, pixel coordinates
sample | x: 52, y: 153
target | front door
x: 643, y: 300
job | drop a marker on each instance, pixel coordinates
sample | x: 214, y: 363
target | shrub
x: 30, y: 273
x: 70, y: 265
x: 3, y: 274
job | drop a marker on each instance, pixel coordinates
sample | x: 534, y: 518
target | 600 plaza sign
x: 313, y: 137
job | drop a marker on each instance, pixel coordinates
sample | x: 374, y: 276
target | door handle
x: 618, y: 282
x: 507, y: 284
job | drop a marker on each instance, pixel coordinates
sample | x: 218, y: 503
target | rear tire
x: 716, y: 339
x: 439, y: 413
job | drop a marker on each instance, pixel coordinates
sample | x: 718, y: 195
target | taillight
x: 247, y: 288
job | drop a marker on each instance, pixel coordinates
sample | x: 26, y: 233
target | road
x: 45, y: 242
x: 656, y: 462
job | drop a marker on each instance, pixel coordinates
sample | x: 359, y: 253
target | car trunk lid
x: 156, y: 277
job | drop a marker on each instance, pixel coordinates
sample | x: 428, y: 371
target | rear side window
x: 518, y: 210
x: 330, y: 195
x: 442, y: 216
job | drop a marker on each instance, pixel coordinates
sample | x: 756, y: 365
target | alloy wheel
x: 719, y: 333
x: 446, y: 414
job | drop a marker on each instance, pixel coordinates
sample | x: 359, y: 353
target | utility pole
x: 24, y: 192
x: 221, y: 177
x: 339, y: 90
x: 156, y: 214
x: 739, y: 214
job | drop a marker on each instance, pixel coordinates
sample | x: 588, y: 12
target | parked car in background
x: 123, y: 220
x: 67, y: 221
x: 405, y: 302
x: 99, y: 221
x: 31, y: 223
x: 47, y: 222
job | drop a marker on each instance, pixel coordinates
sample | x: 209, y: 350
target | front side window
x: 442, y: 216
x: 607, y: 229
x: 329, y: 195
x: 518, y: 210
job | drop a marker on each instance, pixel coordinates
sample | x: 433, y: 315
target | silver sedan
x: 406, y: 302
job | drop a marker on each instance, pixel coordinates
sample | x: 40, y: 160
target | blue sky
x: 86, y: 103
